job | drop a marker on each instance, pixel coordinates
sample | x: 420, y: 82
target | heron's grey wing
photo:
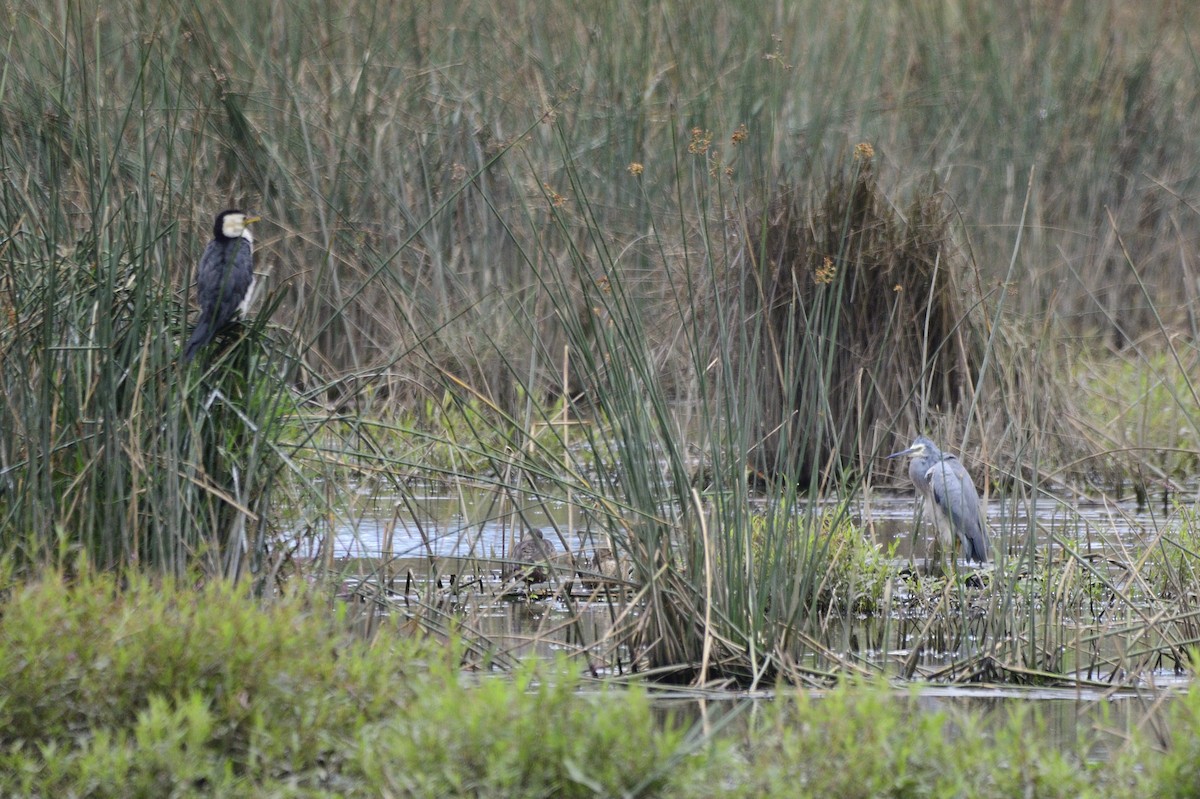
x: 954, y: 492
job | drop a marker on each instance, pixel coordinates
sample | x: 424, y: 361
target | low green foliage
x: 531, y: 736
x: 859, y: 740
x: 153, y: 689
x: 1179, y: 773
x: 158, y: 663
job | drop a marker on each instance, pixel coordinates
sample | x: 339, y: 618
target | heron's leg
x: 935, y: 556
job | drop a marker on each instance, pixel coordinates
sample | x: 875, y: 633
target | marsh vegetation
x: 672, y: 282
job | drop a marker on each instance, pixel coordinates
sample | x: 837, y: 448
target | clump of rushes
x: 1172, y: 562
x: 853, y: 294
x: 855, y: 571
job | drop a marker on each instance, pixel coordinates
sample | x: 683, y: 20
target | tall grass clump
x: 863, y: 321
x: 732, y: 594
x: 113, y: 448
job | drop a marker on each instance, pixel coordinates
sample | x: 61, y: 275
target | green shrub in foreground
x: 149, y: 689
x: 518, y: 738
x: 860, y: 740
x: 1178, y: 775
x: 155, y: 690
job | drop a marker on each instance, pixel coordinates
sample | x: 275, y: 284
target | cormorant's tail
x: 200, y: 336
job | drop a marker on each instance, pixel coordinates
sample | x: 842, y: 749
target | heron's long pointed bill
x: 251, y: 219
x: 908, y: 451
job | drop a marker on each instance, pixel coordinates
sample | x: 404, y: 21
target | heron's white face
x: 234, y: 225
x: 915, y: 451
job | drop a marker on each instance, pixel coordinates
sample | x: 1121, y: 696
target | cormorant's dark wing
x: 226, y: 287
x: 224, y: 278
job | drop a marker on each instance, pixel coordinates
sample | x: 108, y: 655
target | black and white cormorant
x: 225, y: 278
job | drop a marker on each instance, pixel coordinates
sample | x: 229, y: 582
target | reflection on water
x: 519, y: 628
x: 474, y: 524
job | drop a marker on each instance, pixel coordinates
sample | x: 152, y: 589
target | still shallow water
x: 459, y: 536
x: 479, y: 525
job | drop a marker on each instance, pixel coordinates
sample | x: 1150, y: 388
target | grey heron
x: 951, y: 497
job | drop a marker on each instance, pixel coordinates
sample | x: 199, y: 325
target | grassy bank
x: 155, y: 689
